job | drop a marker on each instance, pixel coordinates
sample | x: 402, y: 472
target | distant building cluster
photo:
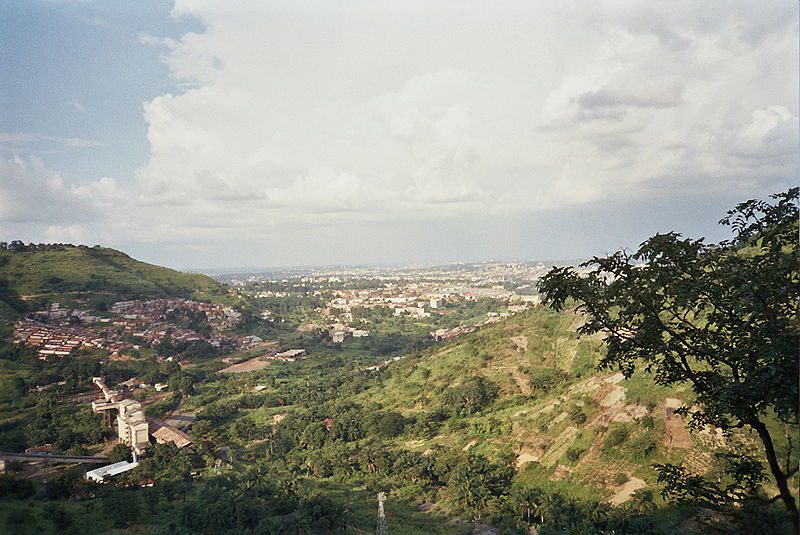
x: 59, y: 331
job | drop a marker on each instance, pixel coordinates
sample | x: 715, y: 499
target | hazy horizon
x: 189, y: 134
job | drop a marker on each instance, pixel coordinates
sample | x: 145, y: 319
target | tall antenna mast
x: 382, y: 528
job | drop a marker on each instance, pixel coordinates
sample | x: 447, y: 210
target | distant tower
x: 382, y: 529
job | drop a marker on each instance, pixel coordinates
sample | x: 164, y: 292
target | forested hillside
x: 511, y: 415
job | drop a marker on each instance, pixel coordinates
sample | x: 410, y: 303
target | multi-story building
x: 132, y: 426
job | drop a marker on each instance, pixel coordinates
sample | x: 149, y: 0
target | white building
x: 111, y: 470
x: 291, y: 354
x: 132, y: 426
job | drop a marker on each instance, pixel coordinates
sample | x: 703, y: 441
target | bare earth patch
x: 520, y: 341
x: 626, y: 491
x: 278, y: 418
x: 615, y: 397
x: 588, y: 386
x: 614, y: 379
x: 470, y: 444
x: 676, y: 435
x: 247, y: 366
x: 522, y: 381
x: 630, y: 413
x: 526, y: 457
x: 561, y: 472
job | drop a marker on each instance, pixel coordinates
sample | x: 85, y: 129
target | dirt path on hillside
x: 560, y: 445
x: 522, y: 380
x: 469, y: 444
x: 676, y: 435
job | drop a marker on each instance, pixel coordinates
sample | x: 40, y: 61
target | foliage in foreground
x: 722, y: 318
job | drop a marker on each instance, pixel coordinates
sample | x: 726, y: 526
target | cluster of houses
x: 339, y: 331
x: 491, y: 317
x: 154, y: 310
x: 63, y: 338
x: 58, y: 331
x: 419, y: 301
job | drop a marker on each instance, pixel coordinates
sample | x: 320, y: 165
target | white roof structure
x: 110, y: 470
x: 292, y: 353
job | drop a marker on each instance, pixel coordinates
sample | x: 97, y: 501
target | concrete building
x: 338, y: 337
x: 132, y: 426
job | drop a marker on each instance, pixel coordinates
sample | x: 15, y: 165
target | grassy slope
x: 537, y: 426
x: 71, y: 273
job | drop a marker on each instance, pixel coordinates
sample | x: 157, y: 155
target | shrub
x: 470, y: 396
x: 545, y: 379
x: 573, y: 454
x: 11, y: 487
x: 616, y: 436
x: 386, y: 424
x: 576, y: 415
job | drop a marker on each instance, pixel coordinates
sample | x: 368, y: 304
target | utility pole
x: 382, y: 528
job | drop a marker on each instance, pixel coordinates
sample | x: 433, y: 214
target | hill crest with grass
x: 35, y: 275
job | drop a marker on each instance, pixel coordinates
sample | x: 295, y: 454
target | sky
x: 200, y: 134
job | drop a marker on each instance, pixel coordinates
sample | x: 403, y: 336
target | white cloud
x: 29, y: 192
x: 29, y: 139
x: 76, y: 105
x: 320, y: 113
x: 66, y: 234
x: 365, y: 114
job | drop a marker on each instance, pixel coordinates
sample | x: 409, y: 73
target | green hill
x: 478, y: 423
x: 31, y: 276
x: 529, y: 387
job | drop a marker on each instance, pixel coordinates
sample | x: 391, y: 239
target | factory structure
x: 132, y: 426
x: 133, y: 429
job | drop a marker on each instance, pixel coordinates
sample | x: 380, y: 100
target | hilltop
x: 34, y: 275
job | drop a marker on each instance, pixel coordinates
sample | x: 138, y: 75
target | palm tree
x: 643, y: 501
